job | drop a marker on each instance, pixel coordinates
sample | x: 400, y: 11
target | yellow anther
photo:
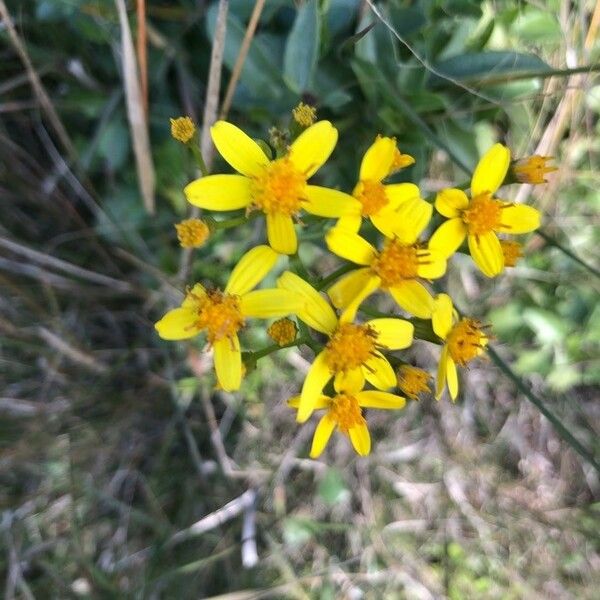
x: 483, y: 214
x: 304, y: 114
x: 346, y: 412
x: 371, y: 195
x: 183, y: 129
x: 533, y: 169
x: 413, y: 381
x: 283, y: 331
x: 466, y: 341
x: 192, y: 233
x: 350, y: 346
x: 218, y: 313
x: 396, y: 262
x: 512, y: 252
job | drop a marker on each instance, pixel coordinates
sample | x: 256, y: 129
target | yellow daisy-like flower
x: 344, y: 412
x: 304, y: 114
x: 192, y: 233
x: 380, y: 202
x: 512, y: 251
x: 183, y: 129
x: 532, y: 169
x: 283, y: 331
x: 353, y: 350
x: 464, y: 340
x: 222, y: 313
x: 277, y: 187
x: 483, y: 216
x: 413, y: 381
x: 395, y: 269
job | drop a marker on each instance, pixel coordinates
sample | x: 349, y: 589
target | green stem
x: 193, y: 146
x: 553, y: 242
x: 325, y: 281
x: 229, y: 223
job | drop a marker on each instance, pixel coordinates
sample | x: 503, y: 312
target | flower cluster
x: 394, y: 243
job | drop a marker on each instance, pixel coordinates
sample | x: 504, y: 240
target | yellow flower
x: 481, y: 217
x: 396, y: 268
x: 277, y: 187
x: 183, y: 129
x: 512, y: 252
x: 379, y: 202
x: 304, y: 114
x: 353, y: 350
x: 192, y: 233
x: 412, y: 381
x: 283, y: 331
x: 532, y: 169
x: 223, y: 313
x: 464, y: 340
x: 344, y: 413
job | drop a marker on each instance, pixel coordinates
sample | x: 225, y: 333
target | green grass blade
x: 553, y: 242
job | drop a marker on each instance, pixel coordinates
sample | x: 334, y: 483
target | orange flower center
x: 465, y: 341
x: 371, y: 195
x: 219, y: 314
x: 412, y: 381
x: 533, y: 169
x: 283, y: 331
x: 350, y: 346
x: 346, y: 412
x: 397, y: 262
x: 280, y: 188
x: 512, y: 252
x: 483, y: 214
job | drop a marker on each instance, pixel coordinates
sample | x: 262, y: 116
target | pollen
x: 466, y: 341
x: 283, y: 331
x: 280, y: 188
x: 192, y: 233
x: 346, y: 412
x: 371, y: 195
x: 413, y: 381
x: 219, y: 314
x: 533, y: 169
x: 350, y: 346
x: 183, y: 129
x: 401, y: 161
x: 483, y: 214
x: 512, y: 252
x: 304, y: 114
x: 397, y: 262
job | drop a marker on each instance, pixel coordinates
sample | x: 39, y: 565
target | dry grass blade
x: 142, y: 54
x: 135, y: 112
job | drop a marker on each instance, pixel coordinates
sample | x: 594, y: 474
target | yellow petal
x: 361, y: 439
x: 350, y: 382
x: 350, y: 222
x: 377, y: 399
x: 316, y: 379
x: 251, y: 269
x: 238, y: 149
x: 487, y: 253
x: 270, y: 304
x: 450, y: 202
x: 192, y: 297
x: 219, y: 192
x: 313, y: 147
x: 348, y: 287
x: 413, y: 297
x: 325, y: 202
x: 448, y: 237
x: 379, y: 373
x: 378, y: 159
x: 440, y: 381
x: 441, y: 317
x: 178, y: 324
x: 413, y: 215
x: 398, y: 193
x: 316, y: 312
x: 432, y: 265
x: 322, y: 434
x: 519, y: 218
x: 451, y: 377
x: 350, y: 311
x: 281, y: 233
x: 392, y: 334
x: 322, y: 402
x: 228, y: 363
x: 386, y: 220
x: 350, y: 246
x: 491, y: 170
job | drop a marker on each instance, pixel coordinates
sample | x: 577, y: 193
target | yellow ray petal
x: 377, y: 399
x: 450, y: 202
x: 350, y: 311
x: 219, y: 192
x: 441, y: 317
x: 487, y: 253
x: 322, y: 402
x: 392, y: 334
x: 398, y: 193
x: 325, y: 202
x: 178, y: 324
x: 432, y: 265
x: 413, y: 297
x: 413, y: 216
x: 238, y: 149
x: 378, y: 159
x: 361, y: 439
x: 519, y: 218
x: 281, y: 233
x: 322, y: 434
x: 491, y: 170
x: 313, y: 147
x: 440, y: 380
x: 448, y: 237
x: 270, y: 304
x: 348, y: 287
x: 379, y: 373
x: 350, y: 246
x: 350, y: 382
x: 251, y: 269
x: 316, y: 312
x: 386, y: 220
x: 451, y: 377
x: 228, y: 363
x: 196, y: 293
x: 351, y: 222
x: 316, y: 379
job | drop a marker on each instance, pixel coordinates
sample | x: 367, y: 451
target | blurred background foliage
x: 108, y: 444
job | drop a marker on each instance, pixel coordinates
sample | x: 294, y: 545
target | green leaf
x: 332, y: 488
x: 302, y: 48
